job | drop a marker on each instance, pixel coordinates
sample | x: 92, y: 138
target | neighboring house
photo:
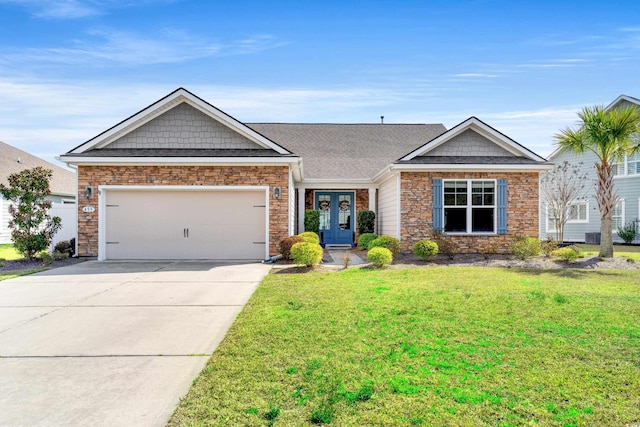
x: 62, y: 186
x: 182, y: 179
x: 584, y: 215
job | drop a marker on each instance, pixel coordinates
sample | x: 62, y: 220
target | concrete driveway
x: 113, y: 343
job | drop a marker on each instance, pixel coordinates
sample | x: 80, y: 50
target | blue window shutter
x: 437, y: 205
x: 502, y: 206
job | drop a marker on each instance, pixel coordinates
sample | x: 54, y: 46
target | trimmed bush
x: 388, y: 242
x: 286, y: 244
x: 568, y: 255
x: 524, y: 247
x: 425, y: 249
x: 446, y: 246
x: 312, y: 221
x: 365, y: 239
x: 628, y: 233
x: 310, y: 236
x: 366, y: 222
x: 65, y: 247
x: 547, y: 247
x: 380, y: 256
x: 309, y: 254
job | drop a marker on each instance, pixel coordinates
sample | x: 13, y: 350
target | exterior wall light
x: 88, y: 192
x: 276, y: 192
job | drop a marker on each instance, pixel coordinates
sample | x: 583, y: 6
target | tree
x: 560, y: 187
x: 610, y: 135
x: 32, y: 228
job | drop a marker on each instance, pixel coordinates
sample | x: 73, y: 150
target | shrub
x: 65, y: 247
x: 488, y: 250
x: 388, y: 242
x: 309, y: 254
x: 446, y: 246
x: 568, y: 255
x: 312, y: 221
x: 425, y: 249
x: 547, y: 247
x: 57, y: 255
x: 310, y: 236
x: 46, y: 258
x: 286, y: 244
x: 524, y: 247
x: 380, y: 256
x: 365, y: 239
x: 366, y: 222
x: 628, y: 233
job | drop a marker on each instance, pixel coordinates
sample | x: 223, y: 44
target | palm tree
x: 610, y: 135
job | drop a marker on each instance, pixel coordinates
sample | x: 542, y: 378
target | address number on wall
x: 88, y: 209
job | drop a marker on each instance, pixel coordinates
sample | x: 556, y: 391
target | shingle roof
x: 469, y: 160
x: 348, y: 151
x: 12, y: 160
x: 178, y: 152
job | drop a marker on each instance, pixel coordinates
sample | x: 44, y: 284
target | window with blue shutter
x: 437, y: 206
x: 502, y: 206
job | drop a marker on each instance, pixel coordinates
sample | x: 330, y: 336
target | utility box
x: 592, y: 238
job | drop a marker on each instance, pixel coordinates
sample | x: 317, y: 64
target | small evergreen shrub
x: 628, y: 232
x: 380, y: 256
x: 365, y: 239
x: 286, y: 244
x: 310, y: 236
x: 46, y: 258
x: 425, y: 249
x: 488, y: 250
x: 65, y: 247
x: 312, y: 221
x: 309, y: 254
x: 547, y: 247
x: 366, y: 222
x: 568, y: 255
x: 446, y: 245
x: 56, y: 255
x: 524, y: 247
x: 388, y: 242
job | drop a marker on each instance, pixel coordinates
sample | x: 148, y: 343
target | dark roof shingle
x: 347, y: 151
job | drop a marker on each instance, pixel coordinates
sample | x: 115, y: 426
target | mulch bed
x: 36, y: 264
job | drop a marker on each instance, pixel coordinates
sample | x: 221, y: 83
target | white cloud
x: 113, y: 47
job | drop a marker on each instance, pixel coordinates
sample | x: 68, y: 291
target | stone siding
x: 95, y: 176
x: 417, y: 208
x: 184, y: 127
x: 469, y: 143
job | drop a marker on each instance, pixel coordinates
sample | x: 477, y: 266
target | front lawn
x: 7, y: 252
x: 626, y: 251
x: 435, y: 346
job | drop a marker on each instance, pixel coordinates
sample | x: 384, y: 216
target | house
x: 584, y: 219
x: 62, y: 186
x: 182, y: 179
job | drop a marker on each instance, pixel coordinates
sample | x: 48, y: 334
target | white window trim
x: 469, y: 208
x: 622, y: 209
x: 580, y: 221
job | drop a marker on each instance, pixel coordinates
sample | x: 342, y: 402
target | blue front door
x: 336, y: 217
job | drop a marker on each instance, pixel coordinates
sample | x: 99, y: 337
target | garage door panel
x: 185, y: 225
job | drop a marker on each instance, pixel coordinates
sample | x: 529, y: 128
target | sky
x: 70, y: 69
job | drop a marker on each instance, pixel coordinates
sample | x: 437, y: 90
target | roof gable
x: 180, y: 120
x: 623, y: 101
x: 471, y: 138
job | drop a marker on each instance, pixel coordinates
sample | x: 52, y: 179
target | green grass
x: 431, y: 347
x: 629, y: 252
x: 10, y: 274
x: 8, y: 253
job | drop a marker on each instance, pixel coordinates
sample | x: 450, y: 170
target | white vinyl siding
x: 388, y: 207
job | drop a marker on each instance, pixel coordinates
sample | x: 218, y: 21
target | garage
x: 184, y: 223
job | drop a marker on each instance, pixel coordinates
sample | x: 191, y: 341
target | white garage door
x: 151, y: 224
